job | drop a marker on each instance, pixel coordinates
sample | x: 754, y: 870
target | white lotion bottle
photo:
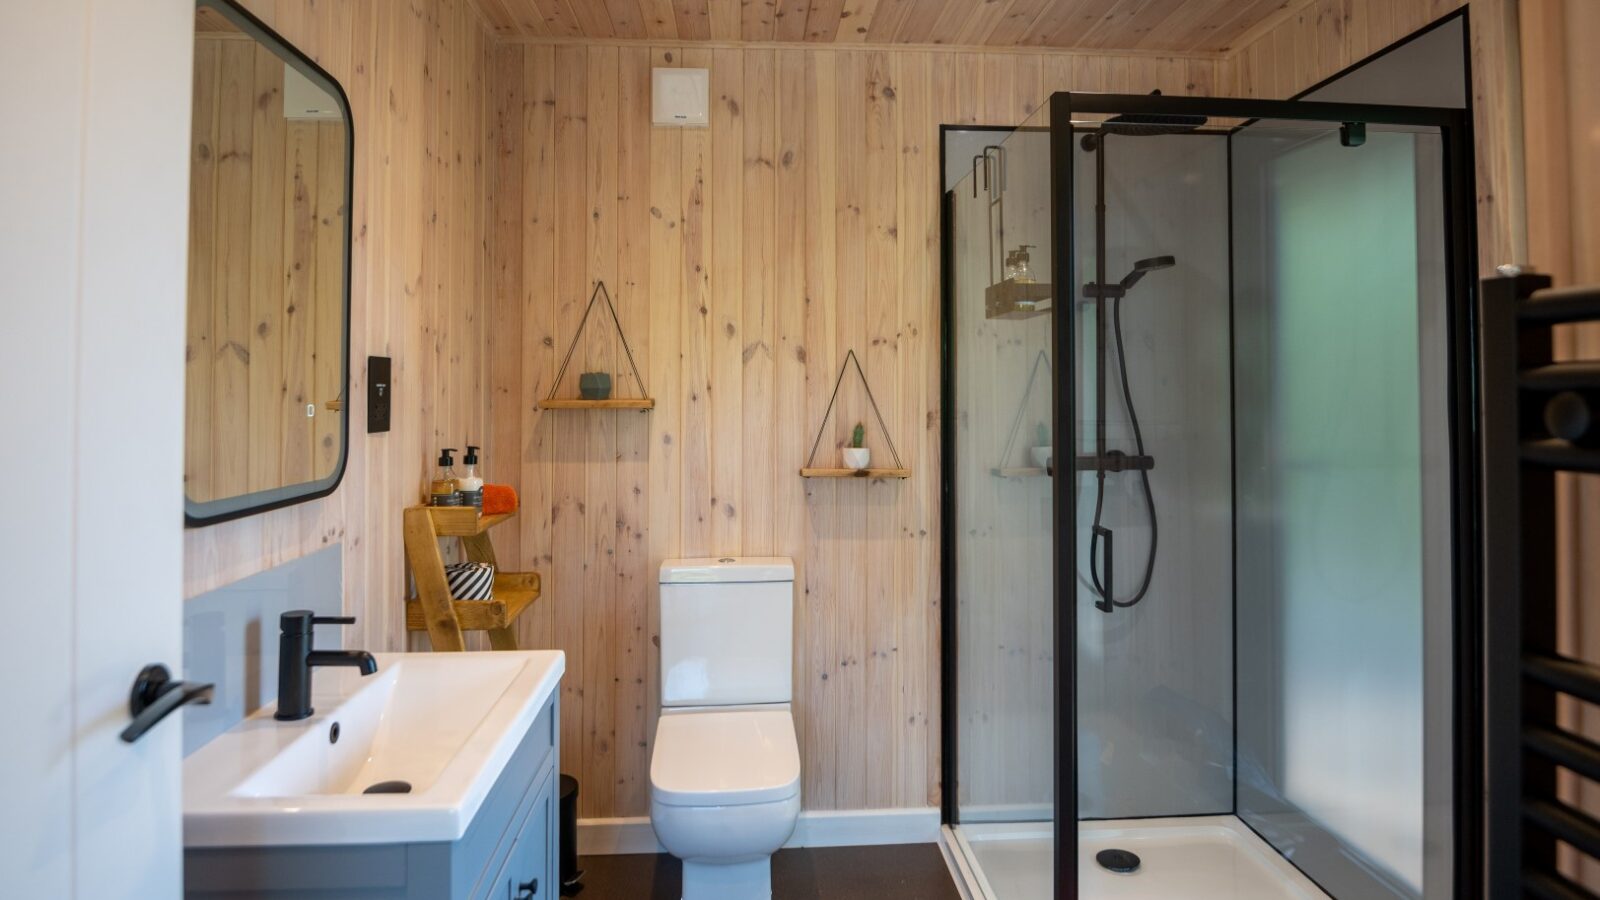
x: 471, y: 484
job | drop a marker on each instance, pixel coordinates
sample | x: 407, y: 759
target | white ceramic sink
x: 446, y: 723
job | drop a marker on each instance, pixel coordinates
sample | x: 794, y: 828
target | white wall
x: 94, y: 95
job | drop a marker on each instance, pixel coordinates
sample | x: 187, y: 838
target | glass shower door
x: 1152, y: 480
x: 999, y: 538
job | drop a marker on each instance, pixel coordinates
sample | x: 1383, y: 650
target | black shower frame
x: 1461, y: 263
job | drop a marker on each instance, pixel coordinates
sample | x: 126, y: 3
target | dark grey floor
x: 892, y: 872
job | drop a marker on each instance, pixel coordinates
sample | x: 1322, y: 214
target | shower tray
x: 1197, y: 858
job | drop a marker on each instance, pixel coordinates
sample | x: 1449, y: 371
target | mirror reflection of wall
x: 267, y: 281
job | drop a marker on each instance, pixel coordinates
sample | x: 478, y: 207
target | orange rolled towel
x: 499, y: 499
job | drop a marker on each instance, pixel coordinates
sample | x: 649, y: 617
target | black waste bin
x: 570, y: 876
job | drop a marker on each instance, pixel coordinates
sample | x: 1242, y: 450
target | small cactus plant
x: 858, y: 437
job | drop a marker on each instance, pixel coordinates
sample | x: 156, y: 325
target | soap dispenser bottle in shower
x: 446, y: 491
x: 470, y: 484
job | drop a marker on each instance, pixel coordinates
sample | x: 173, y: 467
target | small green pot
x: 595, y: 385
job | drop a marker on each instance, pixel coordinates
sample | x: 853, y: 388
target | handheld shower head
x: 1146, y: 265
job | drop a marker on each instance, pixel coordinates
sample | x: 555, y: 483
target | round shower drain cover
x: 1118, y: 860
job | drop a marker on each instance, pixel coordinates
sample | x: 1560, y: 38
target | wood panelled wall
x: 266, y: 263
x: 496, y: 183
x: 415, y: 75
x: 1322, y: 37
x: 746, y: 260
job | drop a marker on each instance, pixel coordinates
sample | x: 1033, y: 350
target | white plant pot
x: 1041, y: 456
x: 857, y: 457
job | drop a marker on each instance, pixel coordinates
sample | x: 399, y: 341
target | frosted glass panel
x: 1334, y: 495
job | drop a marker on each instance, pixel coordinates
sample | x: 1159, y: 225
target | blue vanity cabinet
x: 530, y: 871
x: 508, y: 852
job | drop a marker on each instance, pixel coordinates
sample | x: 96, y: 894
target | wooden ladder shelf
x: 433, y: 610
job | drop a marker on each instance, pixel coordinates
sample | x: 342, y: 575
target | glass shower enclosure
x: 1210, y: 624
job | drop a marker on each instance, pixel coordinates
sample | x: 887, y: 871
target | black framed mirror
x: 267, y: 366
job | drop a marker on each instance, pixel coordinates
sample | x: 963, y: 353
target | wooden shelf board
x: 854, y: 473
x: 1024, y: 472
x: 463, y: 521
x: 1021, y: 314
x: 579, y: 403
x: 1017, y: 299
x: 513, y: 593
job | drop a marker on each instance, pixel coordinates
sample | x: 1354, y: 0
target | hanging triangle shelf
x: 1033, y: 470
x: 811, y: 470
x: 554, y: 402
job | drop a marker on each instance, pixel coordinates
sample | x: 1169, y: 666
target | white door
x: 94, y: 101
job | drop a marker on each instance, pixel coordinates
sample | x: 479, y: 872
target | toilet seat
x: 736, y: 757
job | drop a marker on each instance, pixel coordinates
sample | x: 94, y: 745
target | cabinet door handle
x: 527, y: 889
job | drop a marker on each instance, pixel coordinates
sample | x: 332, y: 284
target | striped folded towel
x: 470, y: 580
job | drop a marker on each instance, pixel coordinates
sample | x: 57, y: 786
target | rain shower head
x: 1146, y: 265
x: 1139, y: 125
x: 1143, y: 125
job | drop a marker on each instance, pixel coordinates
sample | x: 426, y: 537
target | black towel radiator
x: 1540, y: 418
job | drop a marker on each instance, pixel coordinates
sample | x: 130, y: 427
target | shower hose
x: 1144, y: 480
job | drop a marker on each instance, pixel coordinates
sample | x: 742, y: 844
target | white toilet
x: 725, y: 772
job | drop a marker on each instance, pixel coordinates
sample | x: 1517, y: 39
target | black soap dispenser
x: 446, y: 490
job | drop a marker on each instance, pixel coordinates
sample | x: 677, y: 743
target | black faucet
x: 296, y: 659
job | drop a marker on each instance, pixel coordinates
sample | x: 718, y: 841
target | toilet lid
x: 725, y: 758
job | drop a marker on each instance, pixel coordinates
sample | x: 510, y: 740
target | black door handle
x: 155, y: 695
x: 527, y: 889
x: 1104, y: 604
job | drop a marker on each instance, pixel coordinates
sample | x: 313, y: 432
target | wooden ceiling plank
x: 1133, y: 31
x: 985, y: 18
x: 856, y: 21
x: 1251, y: 21
x: 494, y: 14
x: 822, y: 20
x: 789, y: 20
x: 557, y: 18
x: 917, y: 26
x: 594, y: 21
x: 1178, y: 30
x: 1094, y: 21
x: 525, y: 18
x: 952, y: 21
x: 1017, y: 22
x: 694, y: 19
x: 886, y: 20
x: 1148, y: 26
x: 757, y: 20
x: 1066, y: 23
x: 627, y: 19
x: 660, y: 21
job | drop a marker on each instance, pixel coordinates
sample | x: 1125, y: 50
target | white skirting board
x: 816, y: 828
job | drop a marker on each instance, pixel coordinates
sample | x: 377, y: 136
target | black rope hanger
x: 850, y: 359
x: 599, y: 292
